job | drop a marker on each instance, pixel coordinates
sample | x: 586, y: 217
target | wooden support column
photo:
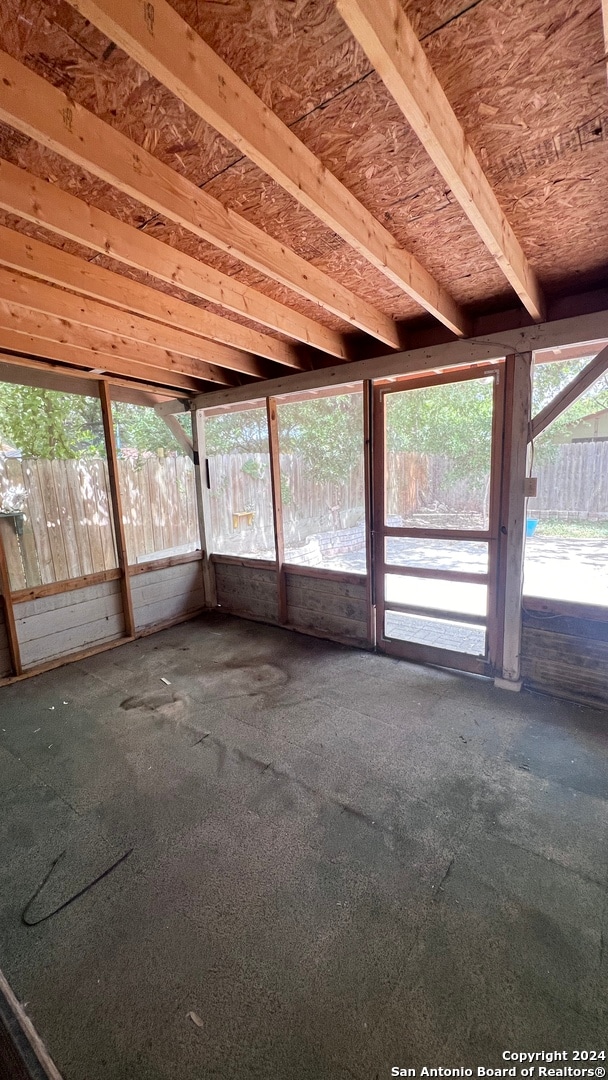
x: 518, y: 396
x: 119, y: 529
x: 368, y: 406
x: 203, y: 505
x: 9, y: 615
x: 277, y: 505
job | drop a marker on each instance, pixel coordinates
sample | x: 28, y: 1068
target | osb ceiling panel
x: 525, y: 78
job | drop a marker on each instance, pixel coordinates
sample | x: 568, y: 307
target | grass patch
x: 572, y: 530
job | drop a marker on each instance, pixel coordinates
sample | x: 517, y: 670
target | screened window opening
x: 322, y: 479
x: 55, y: 509
x: 240, y: 491
x: 439, y: 449
x: 157, y: 487
x: 566, y: 555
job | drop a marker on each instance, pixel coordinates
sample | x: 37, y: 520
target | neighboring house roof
x: 590, y: 427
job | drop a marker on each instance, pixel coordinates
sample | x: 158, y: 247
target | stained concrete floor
x: 340, y: 862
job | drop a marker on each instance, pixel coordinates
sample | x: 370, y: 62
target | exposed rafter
x: 175, y: 55
x: 103, y: 348
x: 46, y: 204
x: 38, y: 296
x: 387, y: 37
x: 42, y: 112
x: 50, y: 264
x: 52, y: 375
x: 47, y: 349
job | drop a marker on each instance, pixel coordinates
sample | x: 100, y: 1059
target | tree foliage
x: 50, y: 424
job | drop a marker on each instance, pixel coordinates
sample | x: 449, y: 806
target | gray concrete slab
x: 340, y: 862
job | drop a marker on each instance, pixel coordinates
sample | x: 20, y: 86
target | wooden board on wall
x: 161, y: 595
x: 567, y: 658
x: 248, y: 591
x: 57, y: 625
x: 5, y: 657
x: 328, y: 606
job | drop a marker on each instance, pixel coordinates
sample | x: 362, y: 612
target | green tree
x: 141, y: 428
x: 48, y: 424
x: 326, y: 432
x: 549, y: 379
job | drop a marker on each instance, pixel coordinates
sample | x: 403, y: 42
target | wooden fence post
x: 277, y: 505
x: 202, y: 503
x: 116, y: 501
x: 518, y: 396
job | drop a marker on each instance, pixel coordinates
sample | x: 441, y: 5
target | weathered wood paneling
x: 58, y: 625
x: 5, y: 660
x: 566, y: 656
x: 162, y: 595
x: 247, y: 590
x: 331, y: 607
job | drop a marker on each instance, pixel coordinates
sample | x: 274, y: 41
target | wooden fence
x: 573, y: 482
x: 241, y: 502
x: 66, y: 529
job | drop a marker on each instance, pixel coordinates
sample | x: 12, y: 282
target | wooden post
x: 9, y: 615
x: 518, y: 396
x: 379, y: 507
x: 277, y: 505
x: 202, y: 504
x: 119, y: 529
x: 368, y: 404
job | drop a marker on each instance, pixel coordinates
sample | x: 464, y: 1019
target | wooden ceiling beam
x: 110, y: 352
x: 65, y: 215
x: 386, y: 36
x: 48, y: 372
x: 590, y: 326
x: 203, y: 355
x: 175, y: 55
x: 44, y: 113
x: 51, y: 264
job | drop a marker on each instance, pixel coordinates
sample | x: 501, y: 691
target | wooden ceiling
x: 200, y: 194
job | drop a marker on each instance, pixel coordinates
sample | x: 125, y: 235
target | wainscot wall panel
x: 162, y: 595
x: 566, y: 655
x: 334, y: 607
x: 54, y: 626
x: 247, y: 590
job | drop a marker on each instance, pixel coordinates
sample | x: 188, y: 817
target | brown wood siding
x: 566, y: 656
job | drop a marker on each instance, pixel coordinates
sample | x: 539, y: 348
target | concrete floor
x: 341, y: 862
